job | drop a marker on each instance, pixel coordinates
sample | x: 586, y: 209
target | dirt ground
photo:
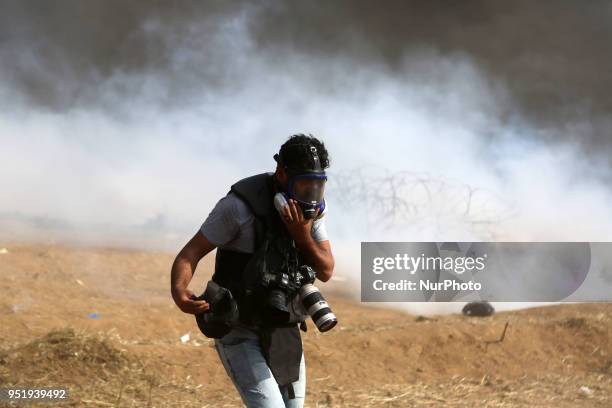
x: 100, y: 322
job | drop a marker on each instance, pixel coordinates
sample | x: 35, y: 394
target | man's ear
x: 281, y: 176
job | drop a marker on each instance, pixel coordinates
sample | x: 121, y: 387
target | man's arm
x: 317, y: 254
x: 183, y: 269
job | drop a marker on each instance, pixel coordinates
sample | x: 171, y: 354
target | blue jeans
x: 241, y: 355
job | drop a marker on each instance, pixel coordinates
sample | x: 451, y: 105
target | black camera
x: 223, y: 312
x: 282, y: 291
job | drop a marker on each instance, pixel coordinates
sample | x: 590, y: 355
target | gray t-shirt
x: 230, y: 225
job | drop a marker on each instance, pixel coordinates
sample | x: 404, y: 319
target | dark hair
x: 293, y: 157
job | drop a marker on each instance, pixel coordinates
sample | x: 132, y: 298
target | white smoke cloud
x: 131, y: 163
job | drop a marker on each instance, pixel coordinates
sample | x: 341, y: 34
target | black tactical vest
x: 235, y: 270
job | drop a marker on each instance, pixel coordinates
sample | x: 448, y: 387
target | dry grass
x: 131, y: 354
x: 542, y: 391
x: 96, y: 372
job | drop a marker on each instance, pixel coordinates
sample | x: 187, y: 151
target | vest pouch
x: 282, y: 349
x: 297, y: 313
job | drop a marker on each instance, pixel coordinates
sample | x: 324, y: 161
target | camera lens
x: 317, y: 307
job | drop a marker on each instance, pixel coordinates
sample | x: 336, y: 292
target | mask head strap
x: 300, y: 158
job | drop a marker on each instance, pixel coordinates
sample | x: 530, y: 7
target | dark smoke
x: 554, y: 57
x: 58, y: 55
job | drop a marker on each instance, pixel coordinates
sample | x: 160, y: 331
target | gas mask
x: 307, y: 190
x: 307, y: 179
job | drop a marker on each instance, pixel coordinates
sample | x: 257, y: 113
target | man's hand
x: 185, y: 300
x: 317, y: 254
x: 182, y: 271
x: 299, y: 227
